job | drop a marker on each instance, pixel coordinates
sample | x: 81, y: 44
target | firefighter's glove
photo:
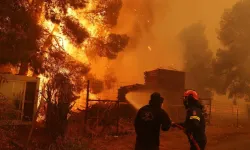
x: 173, y: 125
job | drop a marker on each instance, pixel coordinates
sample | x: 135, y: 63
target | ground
x: 219, y: 138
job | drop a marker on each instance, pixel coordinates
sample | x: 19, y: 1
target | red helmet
x: 192, y: 93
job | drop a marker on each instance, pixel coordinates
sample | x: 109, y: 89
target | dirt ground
x: 219, y: 138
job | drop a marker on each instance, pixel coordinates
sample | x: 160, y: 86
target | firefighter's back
x: 147, y: 125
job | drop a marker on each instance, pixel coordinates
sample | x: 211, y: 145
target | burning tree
x: 28, y: 28
x: 20, y: 35
x: 232, y: 61
x: 54, y: 39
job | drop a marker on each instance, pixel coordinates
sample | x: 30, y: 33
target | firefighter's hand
x: 177, y: 125
x: 173, y: 125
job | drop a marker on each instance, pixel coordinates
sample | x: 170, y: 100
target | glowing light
x: 81, y: 102
x: 43, y: 81
x: 149, y: 48
x: 30, y: 73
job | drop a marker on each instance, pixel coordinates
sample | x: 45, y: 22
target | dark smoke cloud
x: 197, y: 58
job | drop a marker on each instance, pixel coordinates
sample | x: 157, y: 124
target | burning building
x: 171, y: 85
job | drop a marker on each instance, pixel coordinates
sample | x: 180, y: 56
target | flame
x: 29, y: 73
x: 43, y: 80
x: 93, y: 24
x: 81, y: 102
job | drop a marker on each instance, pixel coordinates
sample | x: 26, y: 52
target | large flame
x: 93, y: 24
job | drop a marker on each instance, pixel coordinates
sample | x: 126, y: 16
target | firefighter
x: 148, y: 122
x: 194, y: 124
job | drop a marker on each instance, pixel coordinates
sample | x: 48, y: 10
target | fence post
x: 177, y: 114
x: 237, y: 116
x: 210, y: 113
x: 248, y: 111
x: 118, y: 117
x: 86, y: 109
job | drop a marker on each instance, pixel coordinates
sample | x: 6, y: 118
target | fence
x: 221, y: 112
x: 225, y: 113
x: 102, y: 113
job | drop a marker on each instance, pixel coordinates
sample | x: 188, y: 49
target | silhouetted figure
x: 149, y: 120
x: 195, y: 123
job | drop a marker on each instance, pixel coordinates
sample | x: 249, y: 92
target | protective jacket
x: 195, y: 125
x: 148, y: 122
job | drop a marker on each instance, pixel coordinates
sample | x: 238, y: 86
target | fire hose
x: 189, y: 135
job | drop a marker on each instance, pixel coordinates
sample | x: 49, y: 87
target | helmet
x: 191, y: 93
x: 156, y: 98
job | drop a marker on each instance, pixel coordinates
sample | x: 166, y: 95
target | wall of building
x: 12, y: 94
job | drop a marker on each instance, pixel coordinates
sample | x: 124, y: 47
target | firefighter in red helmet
x: 195, y: 122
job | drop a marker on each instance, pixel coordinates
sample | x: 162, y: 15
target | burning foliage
x: 56, y: 9
x: 77, y: 4
x: 116, y: 43
x: 110, y: 48
x: 232, y: 61
x: 46, y: 36
x: 76, y: 33
x: 109, y: 9
x: 20, y: 34
x: 59, y: 95
x: 198, y: 58
x: 86, y: 28
x: 65, y: 82
x: 60, y: 62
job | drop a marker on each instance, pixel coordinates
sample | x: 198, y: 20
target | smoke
x: 153, y: 28
x: 197, y: 57
x: 141, y: 13
x: 136, y: 20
